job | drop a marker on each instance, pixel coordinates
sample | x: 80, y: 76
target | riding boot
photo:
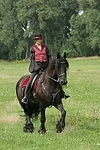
x: 28, y: 88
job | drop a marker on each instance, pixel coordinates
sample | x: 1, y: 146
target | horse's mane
x: 53, y: 60
x: 52, y: 63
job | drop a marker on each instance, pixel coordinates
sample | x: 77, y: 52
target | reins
x: 62, y: 74
x: 53, y: 79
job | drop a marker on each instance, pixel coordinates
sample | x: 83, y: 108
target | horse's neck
x: 50, y: 77
x: 51, y: 70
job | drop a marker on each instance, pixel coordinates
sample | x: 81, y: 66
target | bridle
x: 62, y: 74
x: 57, y: 81
x: 59, y: 75
x: 52, y: 94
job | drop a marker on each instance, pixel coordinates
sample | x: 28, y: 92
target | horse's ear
x: 58, y: 55
x: 65, y: 55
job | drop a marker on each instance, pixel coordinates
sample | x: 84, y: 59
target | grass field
x: 82, y: 131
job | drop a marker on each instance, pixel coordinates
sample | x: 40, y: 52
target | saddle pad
x: 25, y: 81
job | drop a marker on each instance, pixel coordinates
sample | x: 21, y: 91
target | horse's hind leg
x: 61, y: 123
x: 28, y: 127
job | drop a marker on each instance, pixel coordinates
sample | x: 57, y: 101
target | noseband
x: 62, y: 74
x: 59, y: 75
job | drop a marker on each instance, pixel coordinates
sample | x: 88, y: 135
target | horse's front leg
x: 42, y: 129
x: 61, y: 123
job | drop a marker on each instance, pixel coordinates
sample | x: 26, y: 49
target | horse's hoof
x: 59, y: 128
x: 42, y: 131
x: 28, y: 128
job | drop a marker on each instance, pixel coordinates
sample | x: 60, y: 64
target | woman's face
x: 39, y: 41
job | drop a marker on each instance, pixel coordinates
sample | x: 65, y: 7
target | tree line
x: 66, y: 25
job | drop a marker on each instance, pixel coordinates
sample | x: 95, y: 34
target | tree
x: 93, y: 28
x: 85, y: 30
x: 68, y: 25
x: 10, y: 27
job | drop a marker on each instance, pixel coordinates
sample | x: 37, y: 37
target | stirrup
x: 24, y: 100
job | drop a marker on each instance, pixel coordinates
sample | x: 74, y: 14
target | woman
x: 39, y: 60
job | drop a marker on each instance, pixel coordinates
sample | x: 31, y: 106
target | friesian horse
x: 48, y: 91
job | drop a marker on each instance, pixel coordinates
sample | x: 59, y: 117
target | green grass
x: 82, y: 131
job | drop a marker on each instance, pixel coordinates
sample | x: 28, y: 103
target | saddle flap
x: 25, y: 81
x: 33, y: 84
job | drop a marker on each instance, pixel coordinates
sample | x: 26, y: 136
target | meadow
x: 82, y: 131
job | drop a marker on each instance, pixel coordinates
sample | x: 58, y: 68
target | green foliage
x: 21, y: 19
x: 85, y: 29
x: 67, y: 24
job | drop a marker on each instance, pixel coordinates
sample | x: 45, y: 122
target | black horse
x: 48, y: 93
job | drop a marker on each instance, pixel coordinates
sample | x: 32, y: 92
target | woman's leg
x: 28, y: 88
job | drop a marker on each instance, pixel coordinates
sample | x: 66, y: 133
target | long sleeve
x: 32, y: 55
x: 33, y: 64
x: 48, y: 53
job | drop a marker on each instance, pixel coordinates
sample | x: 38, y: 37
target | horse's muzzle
x: 62, y: 82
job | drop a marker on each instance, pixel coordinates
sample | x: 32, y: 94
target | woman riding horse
x: 48, y: 93
x: 40, y: 57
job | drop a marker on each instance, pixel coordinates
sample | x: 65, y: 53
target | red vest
x: 40, y: 55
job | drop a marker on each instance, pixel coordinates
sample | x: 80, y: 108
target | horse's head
x: 61, y: 67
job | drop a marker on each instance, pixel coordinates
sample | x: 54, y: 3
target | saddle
x: 34, y: 81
